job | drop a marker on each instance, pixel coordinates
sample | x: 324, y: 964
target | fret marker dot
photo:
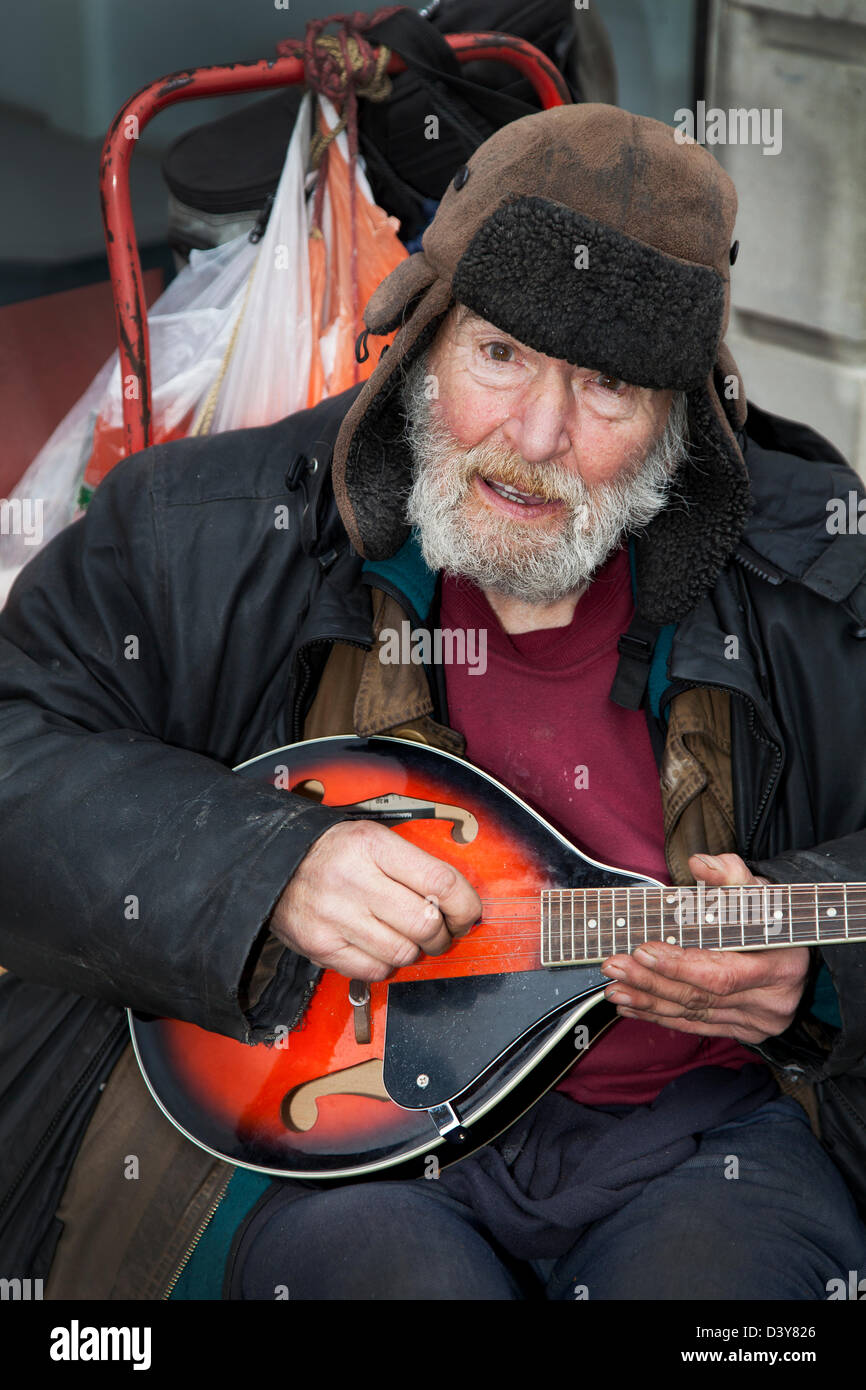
x: 709, y: 917
x: 592, y: 922
x: 671, y: 898
x: 620, y: 921
x: 831, y: 912
x: 671, y: 940
x: 777, y: 916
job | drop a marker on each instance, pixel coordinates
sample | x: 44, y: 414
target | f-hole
x: 312, y: 789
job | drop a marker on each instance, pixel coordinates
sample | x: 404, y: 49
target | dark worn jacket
x: 183, y: 626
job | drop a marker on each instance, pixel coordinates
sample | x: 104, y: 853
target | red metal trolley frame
x: 123, y: 259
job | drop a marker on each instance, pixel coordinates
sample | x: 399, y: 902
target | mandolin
x: 445, y: 1054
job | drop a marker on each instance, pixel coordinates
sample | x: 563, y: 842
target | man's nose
x: 540, y: 419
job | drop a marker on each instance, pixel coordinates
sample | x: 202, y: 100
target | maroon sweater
x: 540, y: 720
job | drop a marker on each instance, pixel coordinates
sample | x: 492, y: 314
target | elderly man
x: 556, y: 451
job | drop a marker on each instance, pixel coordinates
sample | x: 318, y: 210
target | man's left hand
x: 747, y: 995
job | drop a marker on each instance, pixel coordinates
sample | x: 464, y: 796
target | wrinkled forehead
x: 461, y: 328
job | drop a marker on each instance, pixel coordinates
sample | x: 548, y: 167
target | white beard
x: 536, y: 564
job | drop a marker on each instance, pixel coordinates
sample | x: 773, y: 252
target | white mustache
x: 548, y: 479
x: 492, y: 463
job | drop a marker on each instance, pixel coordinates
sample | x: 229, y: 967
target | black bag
x: 221, y: 175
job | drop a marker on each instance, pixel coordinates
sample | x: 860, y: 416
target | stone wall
x: 798, y: 328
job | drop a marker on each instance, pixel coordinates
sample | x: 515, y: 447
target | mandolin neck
x: 579, y: 925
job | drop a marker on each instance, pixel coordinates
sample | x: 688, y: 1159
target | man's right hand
x: 364, y: 901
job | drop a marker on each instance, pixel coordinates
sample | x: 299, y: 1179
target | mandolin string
x: 798, y: 899
x: 758, y: 934
x: 795, y: 931
x: 647, y: 909
x: 653, y: 918
x: 805, y: 892
x: 530, y: 953
x: 804, y: 889
x: 429, y: 965
x: 798, y: 931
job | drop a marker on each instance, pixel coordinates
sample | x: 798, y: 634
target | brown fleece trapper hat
x: 647, y: 301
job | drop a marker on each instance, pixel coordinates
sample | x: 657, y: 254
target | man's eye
x: 498, y: 352
x: 610, y: 383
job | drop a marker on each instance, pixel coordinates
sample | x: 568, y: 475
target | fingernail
x: 615, y: 970
x: 464, y: 931
x: 616, y: 996
x: 644, y: 956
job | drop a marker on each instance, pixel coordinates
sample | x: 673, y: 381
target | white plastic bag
x: 190, y: 328
x: 296, y: 340
x: 268, y: 372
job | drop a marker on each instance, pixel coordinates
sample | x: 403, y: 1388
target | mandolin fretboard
x: 579, y: 925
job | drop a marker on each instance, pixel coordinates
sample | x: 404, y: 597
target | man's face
x: 528, y: 469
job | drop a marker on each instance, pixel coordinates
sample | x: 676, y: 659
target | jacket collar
x: 790, y: 528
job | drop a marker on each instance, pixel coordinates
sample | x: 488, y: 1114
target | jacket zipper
x: 307, y: 996
x: 82, y: 1081
x: 753, y: 724
x: 302, y: 665
x: 196, y: 1238
x: 746, y: 557
x: 774, y: 777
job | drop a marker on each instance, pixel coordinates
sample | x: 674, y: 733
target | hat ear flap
x: 680, y: 552
x: 372, y: 463
x: 391, y: 301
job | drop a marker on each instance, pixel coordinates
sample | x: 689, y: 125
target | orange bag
x: 109, y: 448
x: 378, y: 250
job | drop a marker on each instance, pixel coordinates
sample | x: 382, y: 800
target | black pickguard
x: 428, y: 1033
